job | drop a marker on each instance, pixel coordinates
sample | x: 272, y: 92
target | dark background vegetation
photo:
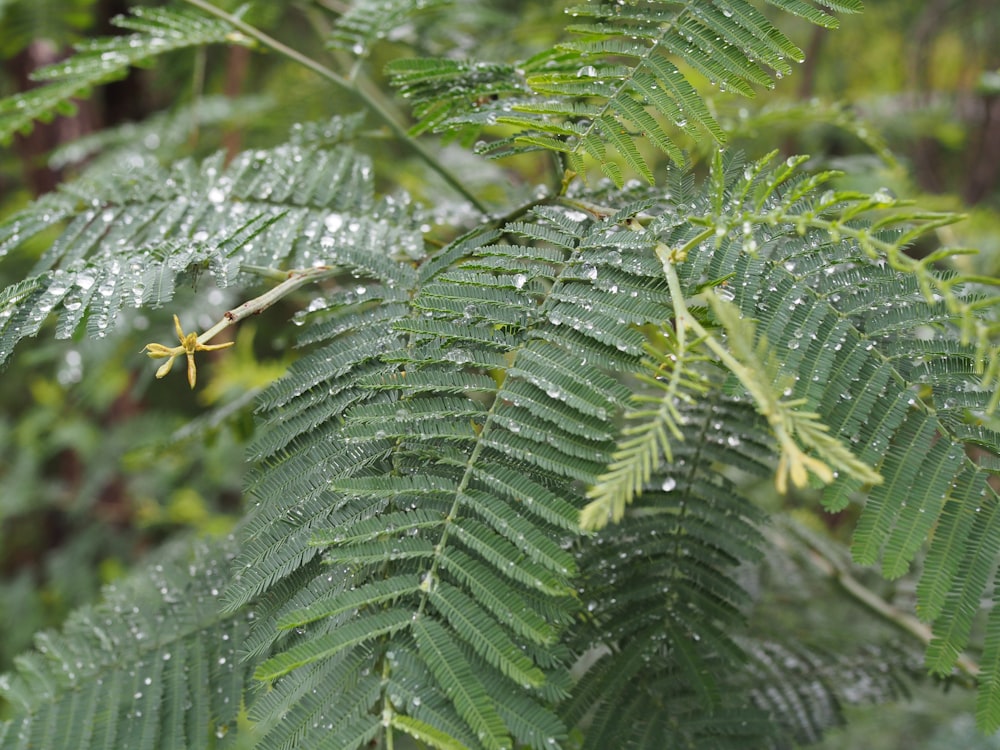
x: 99, y: 462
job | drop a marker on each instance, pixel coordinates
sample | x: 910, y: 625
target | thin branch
x: 362, y: 93
x: 906, y: 622
x: 257, y: 305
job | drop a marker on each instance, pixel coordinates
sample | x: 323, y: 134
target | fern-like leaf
x: 661, y: 601
x: 644, y: 446
x: 615, y: 84
x: 461, y: 493
x: 157, y: 31
x: 367, y: 21
x: 128, y: 240
x: 152, y: 666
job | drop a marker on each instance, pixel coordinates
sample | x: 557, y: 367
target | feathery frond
x: 414, y: 557
x: 152, y: 666
x: 129, y: 239
x: 646, y: 444
x: 367, y: 21
x: 449, y: 506
x: 157, y: 31
x: 613, y: 87
x: 662, y: 603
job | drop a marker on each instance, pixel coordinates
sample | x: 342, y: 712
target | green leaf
x: 358, y: 631
x: 460, y: 683
x: 425, y: 733
x: 158, y: 31
x: 611, y: 86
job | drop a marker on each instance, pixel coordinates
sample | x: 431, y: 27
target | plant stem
x: 766, y: 403
x: 686, y: 320
x: 851, y: 585
x: 362, y: 93
x: 597, y: 211
x: 293, y: 280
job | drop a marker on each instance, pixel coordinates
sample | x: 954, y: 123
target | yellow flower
x: 189, y: 345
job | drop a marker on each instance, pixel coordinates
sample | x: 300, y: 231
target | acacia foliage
x: 427, y: 548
